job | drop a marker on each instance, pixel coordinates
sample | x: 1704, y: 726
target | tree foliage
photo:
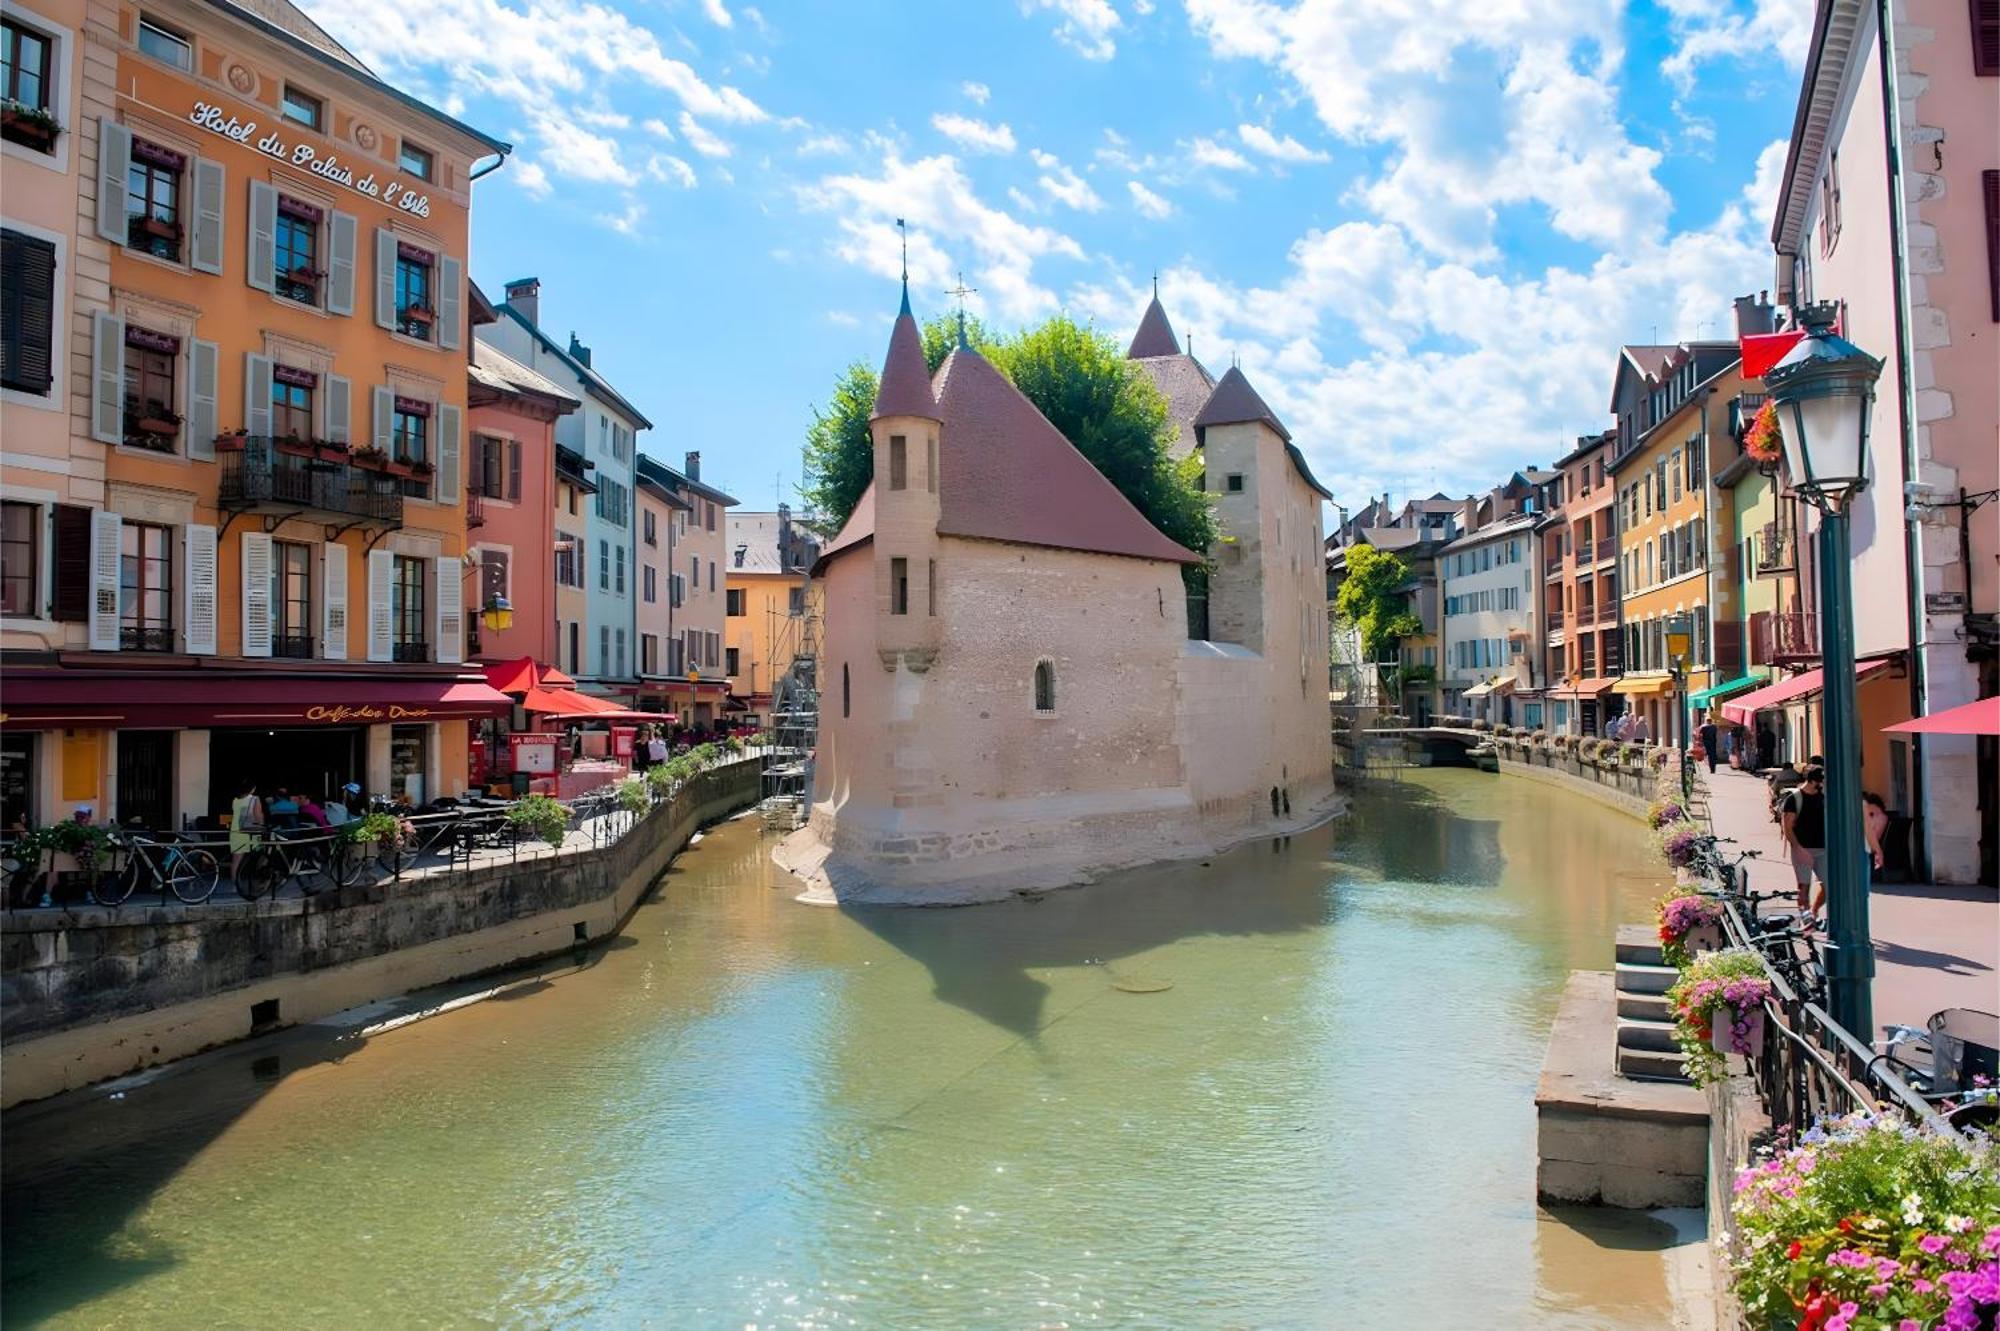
x: 1373, y: 601
x: 1076, y: 377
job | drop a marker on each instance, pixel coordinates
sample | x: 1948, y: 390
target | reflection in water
x: 1292, y: 1086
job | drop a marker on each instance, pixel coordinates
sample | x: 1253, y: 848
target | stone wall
x: 95, y: 993
x: 1620, y: 785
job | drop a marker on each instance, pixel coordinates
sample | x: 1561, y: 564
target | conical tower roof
x: 906, y: 381
x: 1235, y: 401
x: 1155, y: 336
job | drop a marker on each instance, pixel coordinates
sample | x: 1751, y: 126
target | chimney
x: 525, y: 298
x: 786, y: 557
x: 1754, y: 315
x: 577, y: 351
x: 693, y: 468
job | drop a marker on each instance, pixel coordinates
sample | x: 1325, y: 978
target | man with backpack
x: 1802, y: 821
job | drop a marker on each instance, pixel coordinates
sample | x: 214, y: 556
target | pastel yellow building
x: 764, y: 568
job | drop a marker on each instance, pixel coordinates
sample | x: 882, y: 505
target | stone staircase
x: 1645, y: 1040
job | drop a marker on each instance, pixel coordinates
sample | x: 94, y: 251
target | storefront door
x: 314, y: 761
x: 409, y: 761
x: 146, y: 779
x: 17, y: 780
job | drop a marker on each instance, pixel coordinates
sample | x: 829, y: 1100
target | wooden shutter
x: 199, y: 603
x: 206, y: 244
x: 257, y: 618
x: 114, y: 164
x: 381, y: 612
x: 339, y: 409
x: 107, y: 377
x: 450, y: 610
x: 385, y: 277
x: 1990, y: 187
x: 107, y: 537
x: 1985, y: 39
x: 262, y: 251
x: 340, y: 237
x: 202, y: 425
x: 333, y: 603
x: 27, y: 312
x: 450, y: 302
x: 384, y: 408
x: 70, y: 566
x: 256, y: 394
x: 1727, y: 650
x: 448, y: 454
x: 514, y: 470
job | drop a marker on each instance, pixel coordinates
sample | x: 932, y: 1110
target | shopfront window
x: 17, y: 779
x: 409, y: 761
x: 146, y: 588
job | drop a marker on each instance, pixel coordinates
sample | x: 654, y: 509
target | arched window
x: 846, y: 698
x: 1045, y: 686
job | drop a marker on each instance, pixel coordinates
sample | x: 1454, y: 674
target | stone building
x: 1010, y: 696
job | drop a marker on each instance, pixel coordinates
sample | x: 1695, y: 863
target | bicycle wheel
x: 343, y: 865
x: 258, y: 875
x: 112, y: 887
x: 193, y: 875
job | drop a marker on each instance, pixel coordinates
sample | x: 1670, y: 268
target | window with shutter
x: 1990, y: 187
x: 1985, y: 40
x: 70, y: 564
x: 20, y: 559
x: 27, y: 312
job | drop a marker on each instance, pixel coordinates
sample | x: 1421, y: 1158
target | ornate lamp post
x: 1825, y: 389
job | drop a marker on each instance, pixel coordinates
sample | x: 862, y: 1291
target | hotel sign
x: 217, y: 121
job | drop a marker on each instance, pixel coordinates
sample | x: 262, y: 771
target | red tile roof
x: 1155, y: 336
x: 906, y: 382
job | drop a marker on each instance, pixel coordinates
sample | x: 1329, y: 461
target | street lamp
x: 497, y: 614
x: 1680, y: 652
x: 1824, y: 389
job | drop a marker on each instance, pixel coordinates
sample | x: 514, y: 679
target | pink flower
x: 1933, y: 1243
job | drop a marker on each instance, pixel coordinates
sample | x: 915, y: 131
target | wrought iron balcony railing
x: 410, y: 651
x: 1777, y: 549
x: 261, y: 473
x: 1785, y: 639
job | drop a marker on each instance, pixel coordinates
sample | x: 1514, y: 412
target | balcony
x: 1784, y: 639
x: 475, y: 509
x: 1777, y: 549
x: 283, y: 476
x: 1585, y: 616
x: 411, y: 652
x: 1607, y: 550
x: 146, y: 637
x: 1555, y: 567
x: 1555, y: 624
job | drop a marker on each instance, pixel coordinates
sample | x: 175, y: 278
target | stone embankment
x: 95, y: 993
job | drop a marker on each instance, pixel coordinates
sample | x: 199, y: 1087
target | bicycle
x: 188, y: 871
x: 283, y: 855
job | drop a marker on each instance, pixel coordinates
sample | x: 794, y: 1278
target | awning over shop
x: 575, y: 706
x: 1644, y: 685
x: 1480, y: 690
x: 1583, y: 688
x: 553, y: 678
x: 201, y: 700
x: 1744, y: 710
x: 1973, y: 718
x: 512, y: 676
x: 1702, y: 697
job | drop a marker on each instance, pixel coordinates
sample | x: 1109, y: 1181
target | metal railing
x: 1777, y: 549
x: 1554, y: 567
x: 1555, y: 623
x: 258, y: 470
x: 1786, y: 638
x: 475, y: 508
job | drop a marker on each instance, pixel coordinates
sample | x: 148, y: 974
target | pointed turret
x: 1155, y: 336
x: 906, y: 381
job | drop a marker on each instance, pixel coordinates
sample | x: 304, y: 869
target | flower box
x: 298, y: 448
x: 374, y: 459
x: 156, y: 425
x: 331, y: 452
x: 154, y: 226
x: 29, y: 126
x: 417, y: 314
x: 401, y: 469
x: 230, y: 443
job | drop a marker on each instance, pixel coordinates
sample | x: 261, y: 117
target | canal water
x: 1292, y: 1086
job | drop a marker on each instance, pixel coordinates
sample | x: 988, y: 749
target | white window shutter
x: 450, y: 610
x: 107, y: 542
x: 257, y: 618
x: 114, y: 164
x: 339, y: 409
x: 448, y: 455
x: 202, y: 425
x: 384, y: 403
x: 256, y: 395
x: 262, y: 251
x: 341, y: 233
x: 385, y: 277
x: 333, y: 603
x: 107, y: 393
x: 199, y: 611
x: 450, y: 302
x: 205, y: 249
x: 381, y: 613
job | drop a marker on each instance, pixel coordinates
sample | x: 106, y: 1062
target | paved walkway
x: 1935, y: 946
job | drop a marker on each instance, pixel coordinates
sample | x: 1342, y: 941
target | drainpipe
x: 498, y: 161
x: 1913, y: 584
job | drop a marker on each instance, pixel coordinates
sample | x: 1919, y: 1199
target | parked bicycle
x: 309, y: 857
x: 164, y: 863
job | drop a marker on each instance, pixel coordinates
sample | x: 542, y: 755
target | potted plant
x: 328, y: 450
x: 1664, y: 813
x: 1679, y: 845
x: 1764, y: 441
x: 633, y: 796
x: 295, y: 446
x: 541, y: 815
x: 420, y: 467
x: 231, y: 442
x: 1718, y: 1008
x: 418, y: 313
x: 368, y: 833
x: 30, y: 126
x: 150, y: 417
x: 368, y: 455
x: 306, y: 275
x: 161, y: 228
x: 1690, y: 923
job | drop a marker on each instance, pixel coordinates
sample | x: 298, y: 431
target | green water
x: 750, y: 1112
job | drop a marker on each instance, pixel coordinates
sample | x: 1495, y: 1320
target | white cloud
x: 976, y: 93
x: 700, y: 138
x: 1086, y: 25
x: 1207, y: 152
x: 1705, y: 30
x: 671, y: 170
x: 716, y: 14
x: 1283, y: 148
x: 842, y: 319
x: 1148, y: 203
x: 574, y: 151
x: 531, y: 177
x: 657, y: 127
x: 822, y: 145
x: 951, y: 227
x: 974, y: 135
x: 625, y: 223
x: 1064, y: 185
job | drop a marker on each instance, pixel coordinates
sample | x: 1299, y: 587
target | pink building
x: 510, y: 501
x: 1889, y: 206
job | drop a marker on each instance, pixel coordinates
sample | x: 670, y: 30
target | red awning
x: 580, y: 706
x: 512, y: 676
x: 198, y: 700
x: 1743, y: 710
x: 553, y: 678
x: 1763, y: 350
x: 1973, y: 718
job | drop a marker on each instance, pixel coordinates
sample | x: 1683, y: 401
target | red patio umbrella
x: 1973, y: 718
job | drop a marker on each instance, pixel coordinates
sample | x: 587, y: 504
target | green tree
x: 941, y: 335
x: 1372, y: 599
x: 840, y: 458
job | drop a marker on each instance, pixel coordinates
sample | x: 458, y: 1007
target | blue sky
x: 1422, y: 226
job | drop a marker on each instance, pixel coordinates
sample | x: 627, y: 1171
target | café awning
x: 1643, y: 685
x: 1491, y: 686
x: 1973, y: 718
x: 572, y: 705
x: 1702, y: 697
x: 201, y: 700
x: 1743, y: 711
x: 1584, y: 688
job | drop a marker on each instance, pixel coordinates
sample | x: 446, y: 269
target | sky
x: 1422, y: 227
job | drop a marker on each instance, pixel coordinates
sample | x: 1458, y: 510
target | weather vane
x: 903, y: 230
x: 962, y: 291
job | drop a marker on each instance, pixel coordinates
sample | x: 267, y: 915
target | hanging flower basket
x: 1764, y: 441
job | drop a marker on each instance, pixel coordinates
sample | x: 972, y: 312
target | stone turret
x: 904, y: 427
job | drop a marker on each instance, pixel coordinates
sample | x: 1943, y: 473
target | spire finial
x: 1156, y: 284
x: 903, y: 230
x: 962, y: 291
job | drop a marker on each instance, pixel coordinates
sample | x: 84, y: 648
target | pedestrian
x: 1767, y: 746
x: 656, y: 747
x: 341, y: 809
x: 1615, y: 726
x: 1711, y: 741
x: 1875, y: 816
x: 246, y: 815
x: 642, y: 749
x: 1638, y: 732
x: 1802, y: 824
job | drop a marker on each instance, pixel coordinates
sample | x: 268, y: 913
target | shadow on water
x: 73, y: 1177
x: 1272, y: 886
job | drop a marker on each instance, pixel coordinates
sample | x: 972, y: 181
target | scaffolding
x: 794, y: 731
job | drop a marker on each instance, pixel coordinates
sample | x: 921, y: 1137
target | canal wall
x: 1619, y: 785
x: 96, y: 993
